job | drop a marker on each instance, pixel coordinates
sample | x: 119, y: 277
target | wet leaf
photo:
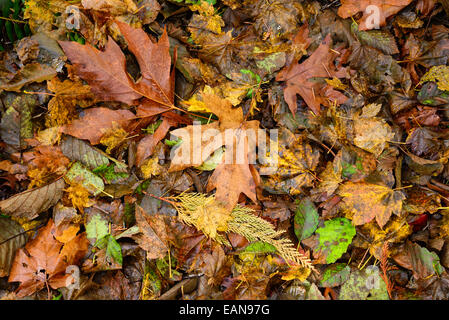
x: 334, y: 238
x: 364, y: 284
x: 386, y: 9
x: 369, y: 201
x: 306, y: 219
x: 335, y: 275
x: 45, y: 261
x: 30, y: 203
x: 96, y: 121
x: 90, y: 181
x: 78, y: 150
x: 421, y: 261
x: 299, y: 77
x: 12, y: 238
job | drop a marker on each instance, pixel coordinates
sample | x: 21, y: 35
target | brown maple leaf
x: 231, y: 178
x: 298, y: 77
x: 96, y: 122
x: 386, y: 8
x: 44, y: 260
x: 105, y: 71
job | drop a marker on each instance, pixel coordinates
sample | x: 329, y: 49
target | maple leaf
x: 232, y: 179
x: 44, y: 260
x: 318, y: 65
x: 296, y: 163
x: 105, y: 71
x: 369, y: 201
x: 386, y: 9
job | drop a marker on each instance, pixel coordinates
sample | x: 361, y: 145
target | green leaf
x: 108, y: 172
x: 213, y: 161
x: 259, y: 247
x: 335, y: 275
x: 172, y: 143
x: 114, y: 250
x: 97, y: 228
x: 430, y: 260
x: 79, y: 150
x: 306, y: 219
x: 128, y: 233
x: 364, y: 285
x: 152, y: 127
x: 335, y: 237
x: 90, y: 181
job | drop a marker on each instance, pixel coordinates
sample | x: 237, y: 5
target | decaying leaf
x: 30, y: 203
x: 369, y: 201
x: 96, y: 122
x: 12, y: 238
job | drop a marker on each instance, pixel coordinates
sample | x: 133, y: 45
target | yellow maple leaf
x: 68, y: 95
x: 438, y: 74
x: 368, y: 201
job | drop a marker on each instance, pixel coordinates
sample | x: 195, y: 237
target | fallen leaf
x: 334, y: 239
x: 96, y: 122
x: 369, y: 201
x: 12, y: 238
x: 386, y: 8
x: 298, y: 77
x: 30, y: 203
x: 105, y: 71
x: 154, y: 242
x: 43, y: 262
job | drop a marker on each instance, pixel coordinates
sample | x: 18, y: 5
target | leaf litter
x: 96, y: 117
